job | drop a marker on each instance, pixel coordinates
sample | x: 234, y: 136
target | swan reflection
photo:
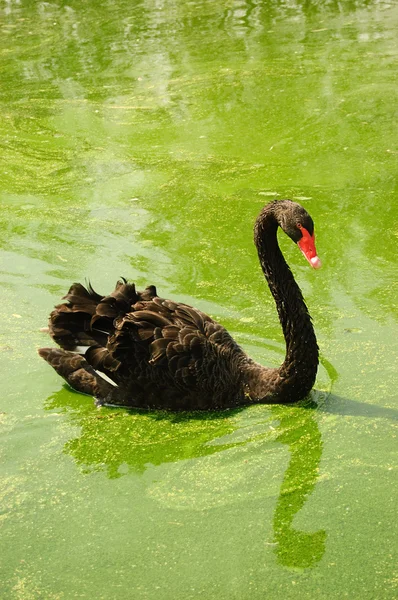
x: 118, y: 442
x: 299, y: 431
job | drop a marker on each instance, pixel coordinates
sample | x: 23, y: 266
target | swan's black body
x: 164, y: 354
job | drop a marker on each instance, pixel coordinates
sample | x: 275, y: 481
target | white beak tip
x: 316, y: 262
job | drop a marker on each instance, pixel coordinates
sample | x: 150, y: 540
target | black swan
x: 146, y: 352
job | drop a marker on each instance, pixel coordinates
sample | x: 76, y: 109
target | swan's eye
x: 299, y: 225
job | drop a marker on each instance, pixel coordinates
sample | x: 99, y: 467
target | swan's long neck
x: 296, y: 376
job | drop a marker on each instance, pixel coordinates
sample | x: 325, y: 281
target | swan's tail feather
x: 84, y: 327
x: 76, y: 371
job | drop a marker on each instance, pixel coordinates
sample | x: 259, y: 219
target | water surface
x: 142, y: 139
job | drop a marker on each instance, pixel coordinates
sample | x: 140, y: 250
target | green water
x: 142, y: 139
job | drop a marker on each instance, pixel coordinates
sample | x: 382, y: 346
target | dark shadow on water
x: 119, y: 441
x: 336, y: 405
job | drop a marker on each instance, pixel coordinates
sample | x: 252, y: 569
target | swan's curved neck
x: 296, y: 376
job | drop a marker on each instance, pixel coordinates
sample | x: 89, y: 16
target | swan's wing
x: 165, y: 341
x: 154, y: 348
x: 86, y: 318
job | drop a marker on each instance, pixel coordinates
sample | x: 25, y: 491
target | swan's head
x: 298, y: 225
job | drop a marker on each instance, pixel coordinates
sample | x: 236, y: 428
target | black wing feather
x: 162, y: 353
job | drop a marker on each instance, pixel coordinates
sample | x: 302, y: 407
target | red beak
x: 307, y: 247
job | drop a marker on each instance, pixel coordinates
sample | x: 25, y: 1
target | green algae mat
x: 141, y: 139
